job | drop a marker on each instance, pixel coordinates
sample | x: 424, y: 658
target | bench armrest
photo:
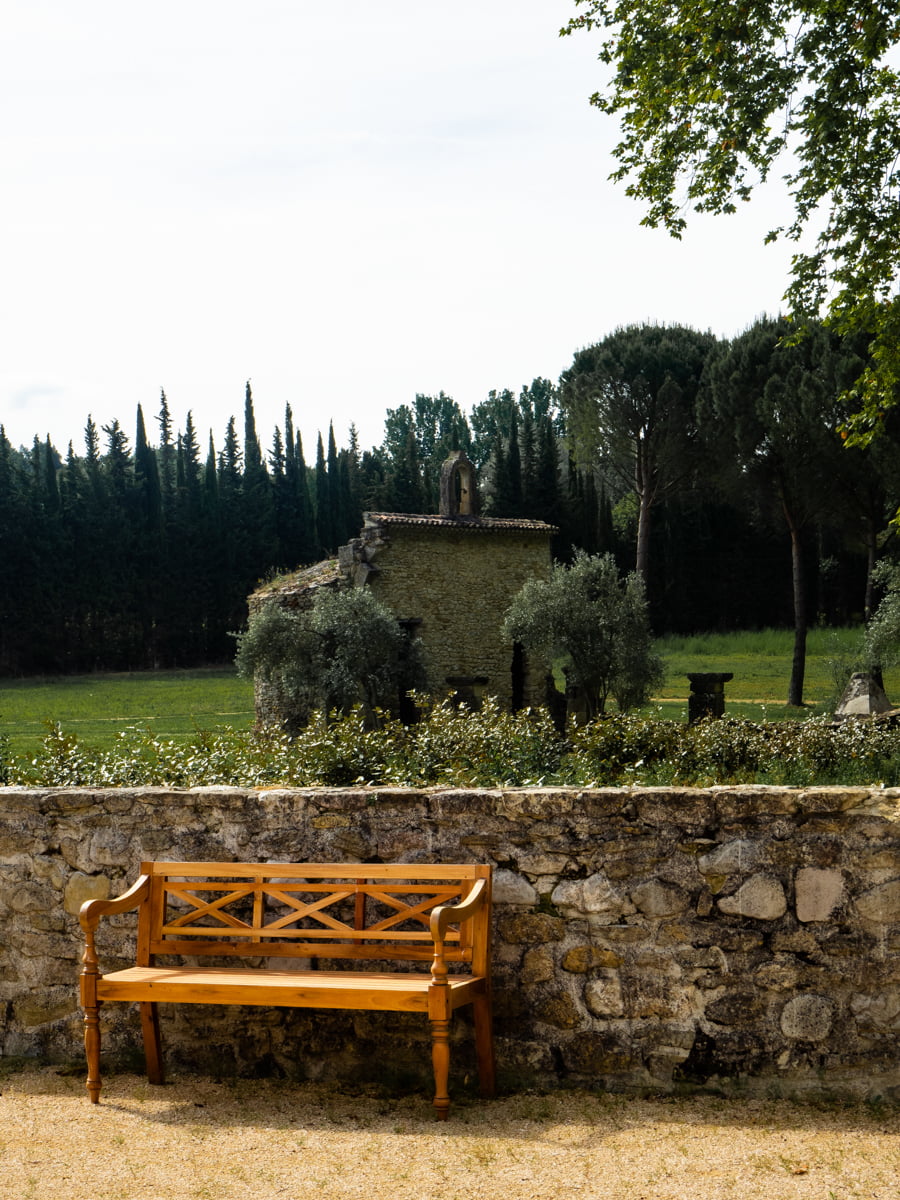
x: 93, y: 910
x: 89, y: 918
x: 451, y: 914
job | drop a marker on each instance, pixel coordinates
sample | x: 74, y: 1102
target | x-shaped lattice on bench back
x: 352, y: 911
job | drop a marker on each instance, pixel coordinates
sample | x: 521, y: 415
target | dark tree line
x: 715, y: 468
x: 129, y: 556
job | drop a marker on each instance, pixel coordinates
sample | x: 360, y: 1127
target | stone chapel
x: 449, y: 578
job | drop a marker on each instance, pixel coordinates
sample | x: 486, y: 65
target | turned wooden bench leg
x: 92, y: 1051
x: 440, y: 1058
x: 152, y: 1047
x: 484, y: 1045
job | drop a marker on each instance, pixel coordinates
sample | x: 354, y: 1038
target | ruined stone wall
x: 460, y: 582
x: 740, y: 938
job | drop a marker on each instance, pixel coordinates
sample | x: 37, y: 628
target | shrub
x: 882, y: 639
x: 346, y: 649
x: 489, y: 748
x: 600, y: 624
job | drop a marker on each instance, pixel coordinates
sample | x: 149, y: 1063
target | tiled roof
x: 319, y: 574
x: 475, y: 524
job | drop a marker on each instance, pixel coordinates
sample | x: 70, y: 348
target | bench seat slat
x: 282, y: 949
x: 378, y: 990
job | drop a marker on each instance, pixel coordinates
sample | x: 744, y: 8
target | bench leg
x: 92, y: 1051
x: 484, y: 1045
x: 152, y: 1048
x: 440, y: 1058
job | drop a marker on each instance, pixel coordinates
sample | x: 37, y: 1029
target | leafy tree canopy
x: 630, y: 401
x: 599, y: 624
x: 882, y: 636
x: 712, y: 93
x: 345, y: 649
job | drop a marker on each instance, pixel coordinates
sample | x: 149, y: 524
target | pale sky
x: 346, y: 204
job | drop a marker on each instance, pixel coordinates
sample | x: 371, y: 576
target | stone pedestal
x: 863, y: 697
x: 707, y: 698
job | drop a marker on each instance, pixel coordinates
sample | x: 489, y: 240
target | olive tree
x: 881, y: 646
x: 345, y: 649
x: 598, y: 623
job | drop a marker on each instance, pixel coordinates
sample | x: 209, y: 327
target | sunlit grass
x: 175, y: 704
x: 760, y: 661
x: 96, y: 708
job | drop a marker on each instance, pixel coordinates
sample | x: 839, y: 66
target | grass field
x: 760, y: 661
x: 96, y: 707
x: 173, y: 704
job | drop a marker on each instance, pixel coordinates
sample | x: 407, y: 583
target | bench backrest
x: 309, y: 910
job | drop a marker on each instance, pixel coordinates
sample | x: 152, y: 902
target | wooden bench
x: 371, y: 915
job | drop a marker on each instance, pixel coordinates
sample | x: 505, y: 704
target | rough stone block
x: 594, y: 896
x: 603, y: 995
x: 83, y: 887
x: 761, y: 897
x: 524, y: 928
x: 655, y: 899
x: 581, y: 959
x: 511, y: 888
x: 881, y: 904
x: 561, y: 1011
x: 807, y: 1018
x: 818, y: 893
x: 537, y: 966
x: 736, y: 857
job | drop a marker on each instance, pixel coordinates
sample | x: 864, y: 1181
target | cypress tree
x: 258, y: 525
x: 500, y: 501
x: 335, y: 495
x: 406, y: 483
x: 324, y: 522
x: 350, y: 529
x: 166, y: 463
x: 514, y: 468
x: 546, y: 483
x: 528, y: 461
x: 254, y: 467
x: 50, y: 482
x: 309, y: 536
x: 190, y: 456
x: 210, y: 477
x: 146, y: 476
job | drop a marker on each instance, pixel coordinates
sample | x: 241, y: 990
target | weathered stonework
x: 736, y: 938
x: 448, y: 578
x: 456, y: 577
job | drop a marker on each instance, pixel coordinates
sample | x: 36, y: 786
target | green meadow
x: 175, y: 704
x: 95, y: 708
x: 760, y: 661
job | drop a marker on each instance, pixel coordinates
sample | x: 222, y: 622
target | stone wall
x: 458, y: 581
x: 737, y: 938
x: 451, y: 580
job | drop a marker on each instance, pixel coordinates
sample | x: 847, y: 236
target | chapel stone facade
x: 448, y: 577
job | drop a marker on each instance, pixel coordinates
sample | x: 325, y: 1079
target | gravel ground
x: 260, y: 1139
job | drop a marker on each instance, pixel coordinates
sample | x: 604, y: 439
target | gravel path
x: 199, y: 1139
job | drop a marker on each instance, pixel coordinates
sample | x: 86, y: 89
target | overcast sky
x: 346, y: 204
